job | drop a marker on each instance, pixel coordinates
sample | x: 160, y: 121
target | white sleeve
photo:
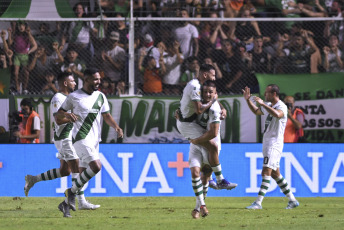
x: 55, y: 105
x: 105, y: 108
x: 214, y: 113
x: 196, y: 93
x: 67, y: 104
x: 194, y: 32
x: 36, y: 123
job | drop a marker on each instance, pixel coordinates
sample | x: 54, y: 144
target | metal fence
x: 158, y: 55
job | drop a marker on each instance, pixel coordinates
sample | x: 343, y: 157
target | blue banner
x: 162, y: 170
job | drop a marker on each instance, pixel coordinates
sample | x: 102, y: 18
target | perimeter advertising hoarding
x: 162, y: 170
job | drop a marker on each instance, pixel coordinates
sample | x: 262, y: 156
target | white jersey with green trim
x: 274, y: 128
x: 212, y: 115
x: 88, y: 108
x: 60, y: 131
x: 191, y: 92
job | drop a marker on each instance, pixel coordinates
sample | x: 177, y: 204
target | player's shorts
x: 21, y: 59
x: 86, y: 152
x: 197, y: 156
x: 190, y: 130
x: 66, y: 150
x: 272, y: 158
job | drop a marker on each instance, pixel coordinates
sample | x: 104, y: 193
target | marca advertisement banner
x: 151, y: 120
x: 320, y: 96
x: 312, y: 170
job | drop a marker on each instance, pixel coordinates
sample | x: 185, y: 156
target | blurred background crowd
x: 168, y: 53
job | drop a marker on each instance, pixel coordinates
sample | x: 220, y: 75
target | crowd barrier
x: 312, y: 170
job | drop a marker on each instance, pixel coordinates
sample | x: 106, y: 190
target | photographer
x: 293, y: 131
x: 31, y: 124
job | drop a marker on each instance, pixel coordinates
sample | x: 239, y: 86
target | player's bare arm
x: 201, y: 108
x: 209, y: 135
x: 62, y: 117
x: 251, y: 105
x: 111, y: 122
x: 273, y: 112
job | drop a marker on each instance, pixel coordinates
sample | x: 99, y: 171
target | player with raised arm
x: 272, y: 142
x: 69, y: 161
x: 89, y: 106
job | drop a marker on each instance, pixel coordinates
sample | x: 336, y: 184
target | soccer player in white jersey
x: 190, y: 107
x: 198, y: 156
x: 69, y: 161
x: 89, y: 106
x: 272, y: 142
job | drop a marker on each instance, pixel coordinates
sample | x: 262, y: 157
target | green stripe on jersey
x: 64, y: 133
x: 87, y: 125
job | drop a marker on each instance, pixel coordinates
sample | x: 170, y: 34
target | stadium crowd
x: 168, y: 54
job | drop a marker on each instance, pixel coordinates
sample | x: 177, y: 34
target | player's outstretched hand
x: 247, y: 93
x: 259, y: 100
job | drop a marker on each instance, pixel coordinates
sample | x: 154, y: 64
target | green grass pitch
x: 172, y: 213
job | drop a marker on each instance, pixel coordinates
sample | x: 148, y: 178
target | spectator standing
x: 298, y: 55
x: 39, y: 64
x: 232, y: 67
x: 80, y: 34
x: 333, y: 56
x: 51, y: 86
x: 191, y: 72
x: 187, y: 36
x: 150, y: 50
x: 173, y: 61
x: 6, y: 54
x: 106, y: 87
x: 113, y: 59
x: 24, y: 44
x: 152, y: 76
x: 74, y: 65
x: 245, y: 30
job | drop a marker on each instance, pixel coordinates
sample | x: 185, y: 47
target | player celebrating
x: 69, y: 161
x: 198, y: 156
x: 272, y: 142
x: 190, y: 107
x: 88, y: 105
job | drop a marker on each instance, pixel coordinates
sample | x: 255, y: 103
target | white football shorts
x: 65, y: 150
x: 86, y: 152
x: 198, y: 156
x: 272, y: 158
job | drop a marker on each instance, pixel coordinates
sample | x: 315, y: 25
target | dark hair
x: 72, y: 47
x: 49, y: 73
x: 90, y: 72
x: 209, y: 83
x: 274, y: 89
x: 258, y: 37
x: 191, y: 59
x: 26, y: 102
x: 63, y: 76
x: 76, y: 5
x: 226, y: 41
x: 206, y: 68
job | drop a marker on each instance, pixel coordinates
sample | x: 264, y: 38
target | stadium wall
x: 312, y: 170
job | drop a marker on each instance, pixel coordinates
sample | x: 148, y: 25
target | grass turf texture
x: 172, y: 213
